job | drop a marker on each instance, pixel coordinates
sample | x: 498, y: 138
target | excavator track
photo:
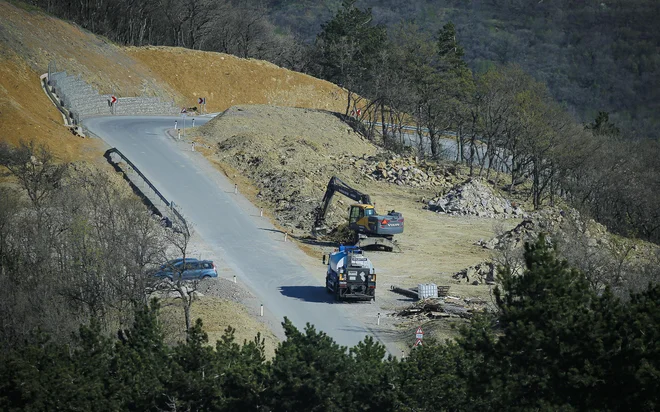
x: 371, y: 242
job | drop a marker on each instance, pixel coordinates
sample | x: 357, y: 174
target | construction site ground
x: 282, y: 159
x: 300, y: 149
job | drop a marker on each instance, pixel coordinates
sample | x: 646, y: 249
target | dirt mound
x: 551, y: 221
x: 290, y: 155
x: 474, y: 198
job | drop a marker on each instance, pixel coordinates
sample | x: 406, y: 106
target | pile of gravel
x: 474, y: 198
x: 222, y: 288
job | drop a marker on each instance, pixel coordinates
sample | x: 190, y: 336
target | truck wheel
x: 337, y: 295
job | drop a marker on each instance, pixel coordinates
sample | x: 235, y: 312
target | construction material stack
x: 350, y: 275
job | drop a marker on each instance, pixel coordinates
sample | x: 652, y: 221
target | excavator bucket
x: 319, y: 231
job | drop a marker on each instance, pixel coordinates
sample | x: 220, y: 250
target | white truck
x: 350, y: 275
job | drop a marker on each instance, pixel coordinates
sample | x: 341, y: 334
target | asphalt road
x: 229, y: 227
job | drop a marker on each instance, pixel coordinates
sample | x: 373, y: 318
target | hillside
x: 282, y: 157
x: 227, y: 80
x: 594, y: 55
x: 282, y: 160
x: 30, y: 40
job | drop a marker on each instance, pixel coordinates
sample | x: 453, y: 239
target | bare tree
x: 178, y: 239
x: 35, y: 169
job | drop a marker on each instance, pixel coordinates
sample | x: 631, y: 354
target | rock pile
x: 551, y: 221
x: 477, y: 199
x: 478, y: 274
x: 407, y: 171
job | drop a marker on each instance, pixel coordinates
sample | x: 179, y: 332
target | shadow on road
x: 315, y: 294
x: 315, y: 242
x: 272, y: 230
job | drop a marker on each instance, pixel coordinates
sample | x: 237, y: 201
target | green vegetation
x: 552, y: 344
x: 593, y: 55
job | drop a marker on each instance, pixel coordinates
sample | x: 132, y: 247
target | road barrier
x: 169, y: 204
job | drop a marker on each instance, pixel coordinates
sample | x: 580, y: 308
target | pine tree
x: 244, y: 371
x: 348, y: 47
x: 373, y: 381
x: 194, y: 384
x: 309, y: 372
x: 141, y: 366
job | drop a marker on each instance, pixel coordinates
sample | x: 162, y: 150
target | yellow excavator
x: 369, y: 228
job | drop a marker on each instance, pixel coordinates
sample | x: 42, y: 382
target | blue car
x: 190, y: 269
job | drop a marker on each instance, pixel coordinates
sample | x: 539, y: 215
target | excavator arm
x: 336, y: 185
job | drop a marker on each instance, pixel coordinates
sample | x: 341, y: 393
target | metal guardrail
x: 66, y: 113
x: 144, y: 178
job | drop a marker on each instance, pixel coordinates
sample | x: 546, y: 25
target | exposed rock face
x: 477, y: 199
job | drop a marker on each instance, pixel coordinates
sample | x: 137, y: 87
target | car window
x: 207, y: 265
x: 192, y: 265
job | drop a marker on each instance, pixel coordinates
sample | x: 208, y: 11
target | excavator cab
x: 357, y: 214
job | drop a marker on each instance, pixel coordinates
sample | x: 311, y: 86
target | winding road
x: 230, y: 225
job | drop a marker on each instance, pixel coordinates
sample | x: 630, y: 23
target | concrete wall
x: 82, y: 100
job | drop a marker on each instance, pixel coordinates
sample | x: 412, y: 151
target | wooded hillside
x: 593, y: 55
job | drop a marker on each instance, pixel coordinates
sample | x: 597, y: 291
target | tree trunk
x: 472, y: 152
x: 434, y: 143
x: 536, y: 185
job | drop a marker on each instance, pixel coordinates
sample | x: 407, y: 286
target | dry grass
x: 216, y: 314
x: 26, y: 114
x: 227, y: 80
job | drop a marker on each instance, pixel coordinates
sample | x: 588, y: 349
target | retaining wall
x: 82, y: 100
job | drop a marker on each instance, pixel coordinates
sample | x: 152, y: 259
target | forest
x: 593, y: 55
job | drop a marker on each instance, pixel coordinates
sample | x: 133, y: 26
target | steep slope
x: 31, y: 39
x: 26, y: 113
x: 227, y: 80
x: 41, y: 39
